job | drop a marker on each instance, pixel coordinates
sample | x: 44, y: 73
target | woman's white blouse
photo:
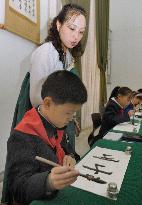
x: 44, y: 61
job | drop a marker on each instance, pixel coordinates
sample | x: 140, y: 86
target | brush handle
x: 87, y: 176
x: 46, y: 161
x: 133, y: 119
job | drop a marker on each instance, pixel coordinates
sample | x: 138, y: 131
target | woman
x: 61, y: 48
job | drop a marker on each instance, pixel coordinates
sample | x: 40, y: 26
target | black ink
x: 107, y: 158
x: 92, y: 178
x: 97, y: 170
x: 133, y: 120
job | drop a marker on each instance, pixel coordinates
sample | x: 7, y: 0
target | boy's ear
x: 58, y: 24
x: 47, y: 102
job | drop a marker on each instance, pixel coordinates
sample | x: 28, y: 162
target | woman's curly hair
x: 53, y: 34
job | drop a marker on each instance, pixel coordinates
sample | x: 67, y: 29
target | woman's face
x: 71, y: 31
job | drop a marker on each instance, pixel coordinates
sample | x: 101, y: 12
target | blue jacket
x: 128, y: 108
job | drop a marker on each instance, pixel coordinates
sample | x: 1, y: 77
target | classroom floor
x: 82, y: 141
x: 81, y: 146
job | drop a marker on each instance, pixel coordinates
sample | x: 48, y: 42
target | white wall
x: 15, y: 53
x: 126, y: 43
x: 14, y: 63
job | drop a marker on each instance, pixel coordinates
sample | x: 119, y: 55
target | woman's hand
x: 61, y: 177
x: 68, y: 161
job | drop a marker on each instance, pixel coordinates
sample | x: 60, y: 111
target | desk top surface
x: 130, y: 193
x: 131, y: 133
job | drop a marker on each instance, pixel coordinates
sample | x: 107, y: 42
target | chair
x: 96, y: 118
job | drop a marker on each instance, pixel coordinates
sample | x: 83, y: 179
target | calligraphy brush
x: 133, y: 119
x: 87, y: 176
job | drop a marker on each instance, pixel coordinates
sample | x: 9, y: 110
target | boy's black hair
x: 64, y: 87
x: 125, y: 91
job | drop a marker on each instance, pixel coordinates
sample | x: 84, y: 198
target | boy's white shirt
x: 116, y: 102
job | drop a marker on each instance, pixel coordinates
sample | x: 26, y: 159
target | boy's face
x: 124, y: 100
x: 59, y: 114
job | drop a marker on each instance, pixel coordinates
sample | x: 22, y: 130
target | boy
x: 40, y: 132
x: 135, y: 103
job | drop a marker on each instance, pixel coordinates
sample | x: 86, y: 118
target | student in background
x: 114, y: 111
x: 40, y: 132
x: 140, y: 91
x: 136, y: 101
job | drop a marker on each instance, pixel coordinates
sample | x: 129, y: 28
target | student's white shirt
x: 44, y: 61
x: 116, y: 102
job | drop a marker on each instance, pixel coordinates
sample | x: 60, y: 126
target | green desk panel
x: 131, y: 189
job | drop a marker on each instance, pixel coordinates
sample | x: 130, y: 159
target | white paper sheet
x: 118, y: 170
x: 127, y: 127
x: 27, y: 8
x: 138, y: 118
x: 138, y: 114
x: 113, y: 136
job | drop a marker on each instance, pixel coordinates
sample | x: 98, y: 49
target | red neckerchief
x: 32, y: 124
x: 122, y: 111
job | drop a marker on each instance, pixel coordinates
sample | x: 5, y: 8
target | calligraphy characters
x: 27, y: 5
x: 98, y: 168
